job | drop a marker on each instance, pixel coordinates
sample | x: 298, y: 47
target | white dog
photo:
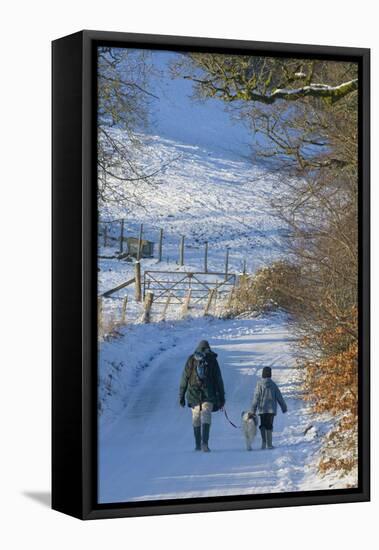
x: 249, y: 427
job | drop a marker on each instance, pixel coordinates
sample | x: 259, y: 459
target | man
x: 203, y: 387
x: 266, y: 397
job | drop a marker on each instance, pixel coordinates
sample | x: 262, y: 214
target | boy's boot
x: 263, y: 435
x: 269, y: 439
x: 205, y: 438
x: 197, y: 434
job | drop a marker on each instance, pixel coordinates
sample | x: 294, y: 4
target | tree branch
x: 333, y: 93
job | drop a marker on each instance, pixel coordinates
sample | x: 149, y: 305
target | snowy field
x: 203, y: 196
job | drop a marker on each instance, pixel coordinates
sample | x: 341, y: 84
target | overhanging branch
x: 333, y: 93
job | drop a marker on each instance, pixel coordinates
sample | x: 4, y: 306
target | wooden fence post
x: 99, y: 312
x: 181, y: 253
x: 209, y: 302
x: 163, y: 318
x: 244, y: 267
x: 215, y: 300
x: 137, y: 268
x: 122, y: 237
x: 226, y: 263
x: 147, y: 307
x: 124, y: 304
x: 160, y: 247
x: 206, y: 257
x: 186, y: 304
x: 230, y: 298
x: 140, y: 242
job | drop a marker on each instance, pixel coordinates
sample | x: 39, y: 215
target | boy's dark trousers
x: 267, y: 421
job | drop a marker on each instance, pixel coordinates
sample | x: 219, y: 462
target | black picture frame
x: 74, y: 360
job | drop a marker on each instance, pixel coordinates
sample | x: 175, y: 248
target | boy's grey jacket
x: 266, y: 397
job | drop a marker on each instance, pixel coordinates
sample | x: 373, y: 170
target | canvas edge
x: 86, y: 507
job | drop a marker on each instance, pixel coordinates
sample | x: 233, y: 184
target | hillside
x: 202, y: 196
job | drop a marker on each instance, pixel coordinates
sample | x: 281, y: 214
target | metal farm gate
x: 177, y: 285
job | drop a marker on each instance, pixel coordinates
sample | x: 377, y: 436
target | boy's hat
x: 266, y: 372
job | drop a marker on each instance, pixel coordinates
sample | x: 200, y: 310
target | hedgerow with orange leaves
x: 331, y: 385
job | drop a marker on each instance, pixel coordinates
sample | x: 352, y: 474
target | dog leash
x: 230, y: 422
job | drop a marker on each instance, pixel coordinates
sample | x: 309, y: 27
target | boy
x: 266, y: 397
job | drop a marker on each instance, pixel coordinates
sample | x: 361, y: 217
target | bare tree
x: 124, y: 101
x: 263, y: 79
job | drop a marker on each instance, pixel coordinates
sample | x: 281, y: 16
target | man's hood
x: 203, y: 348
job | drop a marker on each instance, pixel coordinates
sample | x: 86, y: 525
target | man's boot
x: 269, y: 439
x: 205, y: 438
x: 197, y: 434
x: 263, y: 435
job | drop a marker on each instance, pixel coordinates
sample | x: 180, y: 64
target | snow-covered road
x: 147, y: 452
